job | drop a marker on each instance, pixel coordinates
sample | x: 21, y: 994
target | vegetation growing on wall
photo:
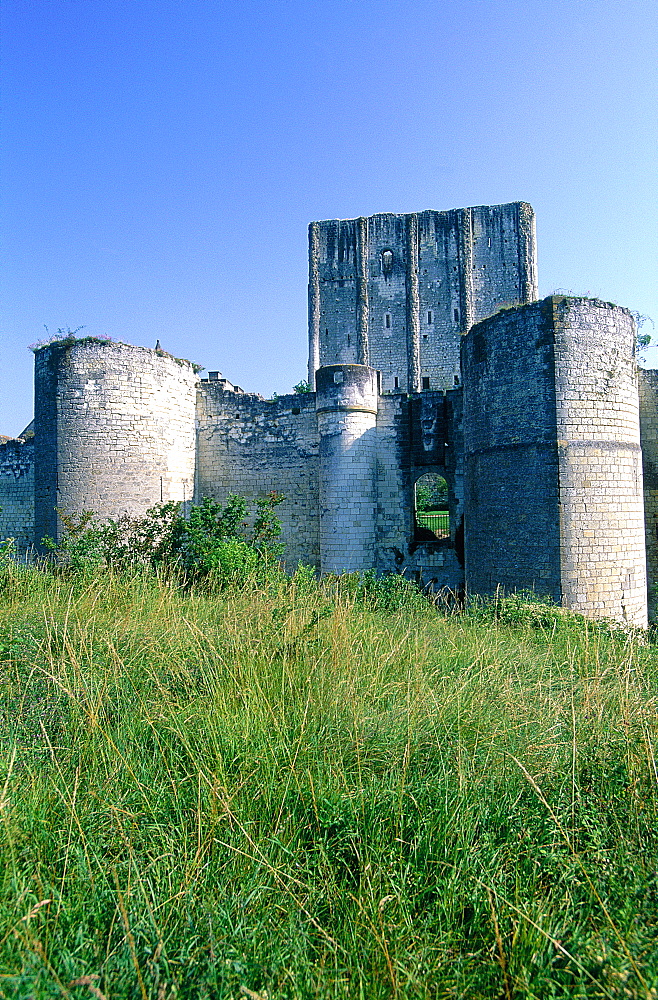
x: 65, y: 337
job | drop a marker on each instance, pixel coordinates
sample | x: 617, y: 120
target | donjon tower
x: 397, y: 292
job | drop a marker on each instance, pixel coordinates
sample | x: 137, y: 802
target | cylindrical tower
x: 553, y: 493
x: 114, y: 427
x: 346, y: 404
x: 598, y: 432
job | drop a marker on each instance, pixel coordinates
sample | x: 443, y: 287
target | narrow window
x: 387, y: 321
x: 456, y: 314
x: 396, y: 383
x: 430, y: 317
x: 489, y: 242
x: 431, y: 511
x: 426, y: 383
x: 456, y: 379
x: 387, y: 262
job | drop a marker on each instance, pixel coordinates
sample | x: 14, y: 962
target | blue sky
x: 161, y: 159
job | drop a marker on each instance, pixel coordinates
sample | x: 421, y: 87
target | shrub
x: 215, y: 540
x: 525, y: 609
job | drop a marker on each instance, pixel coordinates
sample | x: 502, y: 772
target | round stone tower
x: 346, y: 403
x: 553, y: 491
x: 114, y: 428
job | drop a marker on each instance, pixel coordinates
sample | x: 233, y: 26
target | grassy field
x: 313, y: 790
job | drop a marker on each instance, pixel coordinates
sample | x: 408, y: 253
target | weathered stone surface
x: 552, y: 457
x: 252, y: 446
x: 408, y: 286
x: 17, y: 492
x: 114, y: 430
x: 648, y: 390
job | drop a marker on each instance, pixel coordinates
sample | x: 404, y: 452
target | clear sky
x: 161, y: 159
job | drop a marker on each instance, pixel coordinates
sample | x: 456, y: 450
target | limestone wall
x: 351, y: 466
x: 598, y: 432
x: 17, y: 492
x: 252, y: 446
x: 114, y: 429
x: 396, y: 291
x: 511, y: 520
x: 540, y: 448
x: 552, y: 460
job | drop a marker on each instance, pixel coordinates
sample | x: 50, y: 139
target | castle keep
x: 428, y: 354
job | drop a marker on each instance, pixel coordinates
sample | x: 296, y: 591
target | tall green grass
x: 320, y: 790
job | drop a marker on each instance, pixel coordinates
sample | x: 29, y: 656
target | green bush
x: 391, y: 592
x: 214, y: 540
x: 431, y: 493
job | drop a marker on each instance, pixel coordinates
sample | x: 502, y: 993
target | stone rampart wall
x: 252, y: 446
x: 345, y: 465
x: 539, y: 443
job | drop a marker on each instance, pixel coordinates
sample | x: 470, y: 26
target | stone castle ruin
x: 429, y: 355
